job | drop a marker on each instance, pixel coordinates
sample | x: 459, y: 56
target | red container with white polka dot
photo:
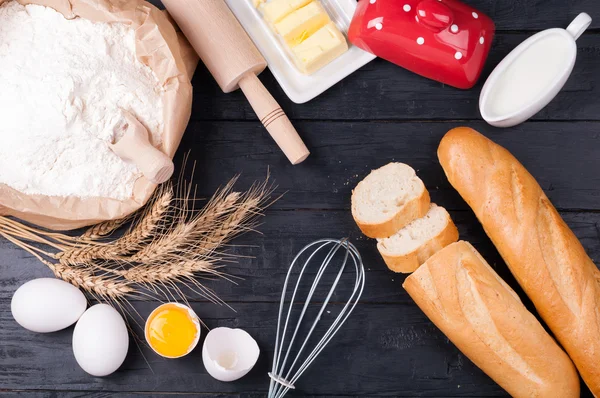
x: 444, y: 40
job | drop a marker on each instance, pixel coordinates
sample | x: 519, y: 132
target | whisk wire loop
x: 327, y: 261
x: 282, y: 302
x: 282, y: 379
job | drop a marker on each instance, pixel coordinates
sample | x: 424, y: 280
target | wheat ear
x: 168, y: 247
x: 141, y: 231
x: 185, y: 234
x: 105, y: 287
x: 103, y: 229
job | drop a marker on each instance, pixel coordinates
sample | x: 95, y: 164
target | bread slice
x: 388, y: 199
x: 410, y: 247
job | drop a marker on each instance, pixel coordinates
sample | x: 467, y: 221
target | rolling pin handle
x: 274, y: 119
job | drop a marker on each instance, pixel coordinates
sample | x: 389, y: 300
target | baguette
x: 540, y: 250
x: 465, y: 298
x: 410, y: 247
x: 388, y: 199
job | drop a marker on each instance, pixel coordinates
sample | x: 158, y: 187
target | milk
x: 530, y: 75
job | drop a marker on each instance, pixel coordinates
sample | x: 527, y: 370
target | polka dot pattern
x: 454, y: 28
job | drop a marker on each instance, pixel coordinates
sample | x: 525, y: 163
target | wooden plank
x: 109, y: 394
x: 381, y: 90
x: 382, y: 351
x: 562, y: 156
x: 527, y: 15
x: 284, y: 233
x: 388, y: 347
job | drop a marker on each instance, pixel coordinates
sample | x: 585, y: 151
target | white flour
x: 62, y: 85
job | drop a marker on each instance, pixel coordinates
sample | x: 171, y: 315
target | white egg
x: 100, y: 340
x: 229, y: 354
x: 47, y: 305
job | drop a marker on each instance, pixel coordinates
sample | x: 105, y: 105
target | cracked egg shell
x: 172, y: 330
x: 229, y: 354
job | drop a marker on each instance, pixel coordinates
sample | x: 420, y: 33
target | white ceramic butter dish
x: 531, y: 75
x: 299, y: 87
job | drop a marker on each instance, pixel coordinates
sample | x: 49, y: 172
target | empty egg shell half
x: 229, y: 354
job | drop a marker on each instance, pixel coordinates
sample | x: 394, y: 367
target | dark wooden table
x: 379, y: 114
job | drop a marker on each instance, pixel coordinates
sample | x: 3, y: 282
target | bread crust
x: 411, y: 261
x: 540, y: 250
x: 413, y: 209
x: 465, y: 298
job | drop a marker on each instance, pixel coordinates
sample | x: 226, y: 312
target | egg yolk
x: 172, y: 331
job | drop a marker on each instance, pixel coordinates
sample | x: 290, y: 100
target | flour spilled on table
x: 63, y: 85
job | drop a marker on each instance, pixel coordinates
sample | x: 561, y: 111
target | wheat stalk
x: 185, y: 234
x: 156, y: 212
x: 40, y: 236
x: 98, y: 286
x: 167, y: 247
x: 159, y: 278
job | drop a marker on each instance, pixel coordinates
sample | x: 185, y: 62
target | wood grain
x: 525, y: 15
x: 274, y: 119
x: 273, y: 250
x: 379, y: 114
x: 230, y: 57
x: 383, y: 91
x: 559, y: 155
x: 398, y: 344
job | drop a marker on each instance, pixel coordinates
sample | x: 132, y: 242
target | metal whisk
x: 340, y: 253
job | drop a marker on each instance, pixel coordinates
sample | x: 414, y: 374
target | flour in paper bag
x: 63, y: 84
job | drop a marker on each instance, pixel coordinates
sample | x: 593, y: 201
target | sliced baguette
x: 388, y: 199
x: 410, y: 247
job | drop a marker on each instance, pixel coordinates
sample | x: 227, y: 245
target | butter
x: 319, y: 49
x: 311, y: 38
x: 276, y: 10
x: 256, y: 3
x: 300, y: 24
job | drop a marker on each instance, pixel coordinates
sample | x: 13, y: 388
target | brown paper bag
x: 172, y: 60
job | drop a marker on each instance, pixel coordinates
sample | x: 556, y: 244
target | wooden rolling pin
x: 234, y: 61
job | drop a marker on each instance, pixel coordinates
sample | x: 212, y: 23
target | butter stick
x: 302, y: 23
x: 275, y: 10
x: 319, y: 49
